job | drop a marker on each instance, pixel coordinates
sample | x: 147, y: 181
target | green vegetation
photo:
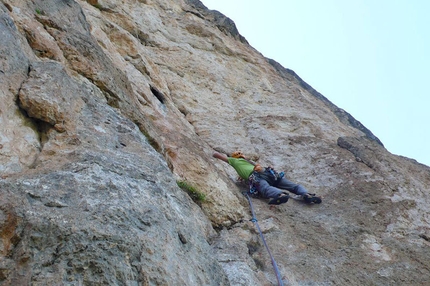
x: 39, y: 12
x: 98, y: 6
x: 151, y: 140
x: 196, y: 196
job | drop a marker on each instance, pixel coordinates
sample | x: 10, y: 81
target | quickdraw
x: 277, y: 176
x: 253, y: 181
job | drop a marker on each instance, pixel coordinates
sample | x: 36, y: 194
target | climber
x: 265, y: 182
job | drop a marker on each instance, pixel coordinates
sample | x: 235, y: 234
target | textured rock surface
x: 105, y: 104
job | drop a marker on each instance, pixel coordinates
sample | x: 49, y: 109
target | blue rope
x: 255, y: 221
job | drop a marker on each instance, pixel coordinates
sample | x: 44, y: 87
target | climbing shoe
x: 279, y: 200
x: 312, y: 199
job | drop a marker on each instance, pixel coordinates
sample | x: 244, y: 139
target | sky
x: 368, y: 57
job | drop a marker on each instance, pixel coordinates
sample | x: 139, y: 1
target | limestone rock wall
x: 106, y: 104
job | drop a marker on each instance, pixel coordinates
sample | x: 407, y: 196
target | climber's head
x: 237, y: 155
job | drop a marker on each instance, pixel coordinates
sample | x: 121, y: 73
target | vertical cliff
x: 106, y: 105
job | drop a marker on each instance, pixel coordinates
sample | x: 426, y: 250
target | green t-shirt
x: 242, y: 167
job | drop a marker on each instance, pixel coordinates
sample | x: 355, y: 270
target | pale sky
x: 369, y: 57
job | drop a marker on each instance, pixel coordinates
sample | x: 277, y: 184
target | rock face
x: 106, y: 105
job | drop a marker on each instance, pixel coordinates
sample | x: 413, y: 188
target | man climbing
x: 265, y: 182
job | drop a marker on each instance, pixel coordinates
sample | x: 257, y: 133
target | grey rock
x: 106, y: 105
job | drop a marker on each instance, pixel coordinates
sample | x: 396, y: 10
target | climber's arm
x: 220, y: 156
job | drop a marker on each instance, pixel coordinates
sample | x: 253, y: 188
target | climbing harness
x: 277, y: 176
x: 255, y: 221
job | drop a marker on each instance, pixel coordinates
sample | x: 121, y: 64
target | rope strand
x: 255, y: 221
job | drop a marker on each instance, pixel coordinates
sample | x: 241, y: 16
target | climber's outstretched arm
x: 220, y: 156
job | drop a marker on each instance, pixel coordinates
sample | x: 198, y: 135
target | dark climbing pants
x: 267, y: 191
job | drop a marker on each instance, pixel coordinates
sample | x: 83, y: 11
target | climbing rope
x: 255, y: 221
